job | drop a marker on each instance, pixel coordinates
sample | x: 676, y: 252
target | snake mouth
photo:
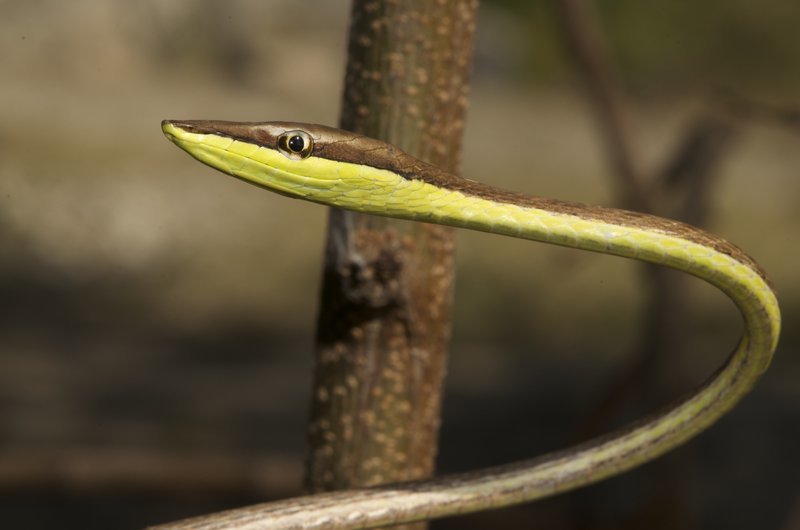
x: 169, y: 127
x: 176, y: 131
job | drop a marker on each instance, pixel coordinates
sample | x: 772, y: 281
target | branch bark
x: 384, y: 322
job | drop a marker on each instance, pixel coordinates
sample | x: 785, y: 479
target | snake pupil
x: 296, y: 144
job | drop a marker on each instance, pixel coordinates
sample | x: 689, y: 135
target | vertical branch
x: 681, y: 190
x: 386, y: 300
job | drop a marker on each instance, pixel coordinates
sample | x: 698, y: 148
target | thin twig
x: 588, y: 48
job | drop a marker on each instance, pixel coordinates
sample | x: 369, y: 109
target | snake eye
x: 295, y: 145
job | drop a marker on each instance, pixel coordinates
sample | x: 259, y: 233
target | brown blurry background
x: 156, y: 317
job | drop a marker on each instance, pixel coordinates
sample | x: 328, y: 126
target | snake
x: 351, y: 171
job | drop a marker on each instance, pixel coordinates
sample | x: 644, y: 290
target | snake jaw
x: 255, y: 153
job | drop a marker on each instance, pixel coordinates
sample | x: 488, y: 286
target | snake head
x: 305, y: 161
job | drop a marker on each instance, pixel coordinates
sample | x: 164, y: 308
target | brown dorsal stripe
x: 342, y: 146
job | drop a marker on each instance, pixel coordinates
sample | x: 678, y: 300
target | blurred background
x: 157, y: 318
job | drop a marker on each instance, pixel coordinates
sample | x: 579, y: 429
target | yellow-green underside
x: 381, y: 192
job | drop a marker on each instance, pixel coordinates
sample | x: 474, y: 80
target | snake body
x: 346, y: 170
